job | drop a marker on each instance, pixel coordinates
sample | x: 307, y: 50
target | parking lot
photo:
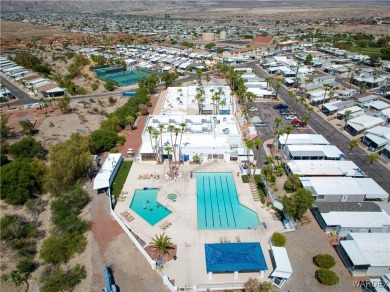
x: 267, y: 113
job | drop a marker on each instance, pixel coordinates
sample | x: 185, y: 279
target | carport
x: 283, y: 269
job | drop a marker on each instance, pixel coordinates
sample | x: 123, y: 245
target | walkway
x: 134, y: 137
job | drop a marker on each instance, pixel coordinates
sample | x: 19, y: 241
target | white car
x: 253, y: 109
x: 291, y: 117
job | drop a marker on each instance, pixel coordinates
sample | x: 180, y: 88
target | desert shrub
x: 327, y: 277
x: 114, y: 150
x: 60, y: 280
x: 278, y: 239
x: 59, y: 248
x: 25, y: 266
x: 121, y: 140
x: 325, y: 261
x: 252, y: 285
x: 94, y: 86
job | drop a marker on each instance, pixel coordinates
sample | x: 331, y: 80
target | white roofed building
x: 346, y: 217
x: 313, y: 152
x: 302, y: 139
x: 324, y: 168
x: 283, y: 269
x: 366, y: 254
x: 361, y: 123
x: 209, y: 137
x: 343, y: 189
x: 107, y: 172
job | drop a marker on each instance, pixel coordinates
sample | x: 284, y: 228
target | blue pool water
x: 145, y: 204
x: 218, y: 204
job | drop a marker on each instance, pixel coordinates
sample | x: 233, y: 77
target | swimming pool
x: 218, y: 204
x: 145, y: 204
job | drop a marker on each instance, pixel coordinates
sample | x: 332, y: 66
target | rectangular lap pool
x: 145, y: 204
x: 218, y: 204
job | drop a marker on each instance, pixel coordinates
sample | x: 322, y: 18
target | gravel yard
x: 302, y: 245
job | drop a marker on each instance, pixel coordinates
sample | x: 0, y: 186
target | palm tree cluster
x: 156, y: 134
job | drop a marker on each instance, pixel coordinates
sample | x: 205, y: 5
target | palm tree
x: 182, y: 127
x: 161, y: 128
x: 257, y: 143
x: 269, y: 80
x: 155, y: 135
x: 277, y: 122
x: 302, y: 99
x: 199, y: 98
x: 176, y: 131
x: 310, y: 110
x: 161, y: 243
x: 326, y: 91
x: 249, y: 144
x: 169, y: 150
x: 305, y: 120
x: 346, y: 116
x: 352, y: 144
x: 373, y: 157
x: 288, y: 130
x: 150, y: 130
x: 130, y: 120
x: 170, y: 129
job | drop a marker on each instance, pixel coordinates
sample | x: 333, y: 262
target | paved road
x: 23, y: 97
x: 378, y: 172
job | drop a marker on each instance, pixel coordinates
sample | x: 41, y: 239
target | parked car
x: 253, y: 109
x: 260, y: 124
x: 290, y: 117
x: 280, y: 106
x: 284, y: 110
x: 297, y: 123
x: 287, y: 113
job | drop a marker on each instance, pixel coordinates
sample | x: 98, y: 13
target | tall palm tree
x: 161, y: 243
x: 182, y: 128
x: 326, y: 91
x: 346, y: 116
x: 277, y: 122
x: 176, y: 131
x: 161, y: 128
x: 150, y: 130
x: 170, y: 129
x: 277, y: 133
x: 373, y: 157
x: 155, y: 135
x: 288, y: 130
x: 352, y: 144
x: 257, y: 143
x: 199, y: 97
x: 249, y: 146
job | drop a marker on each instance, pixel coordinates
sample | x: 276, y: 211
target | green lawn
x: 120, y: 178
x: 366, y: 51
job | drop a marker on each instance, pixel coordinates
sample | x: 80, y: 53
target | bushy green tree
x: 109, y: 85
x: 325, y: 261
x: 63, y: 280
x: 69, y: 163
x: 278, y: 239
x: 4, y: 128
x: 104, y: 140
x: 327, y: 277
x: 27, y: 148
x: 21, y: 180
x: 298, y: 203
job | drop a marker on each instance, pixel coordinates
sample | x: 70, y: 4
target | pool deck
x: 190, y: 267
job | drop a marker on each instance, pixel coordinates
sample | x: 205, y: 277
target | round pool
x: 172, y: 197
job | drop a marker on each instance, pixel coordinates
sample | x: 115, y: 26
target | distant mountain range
x: 159, y: 6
